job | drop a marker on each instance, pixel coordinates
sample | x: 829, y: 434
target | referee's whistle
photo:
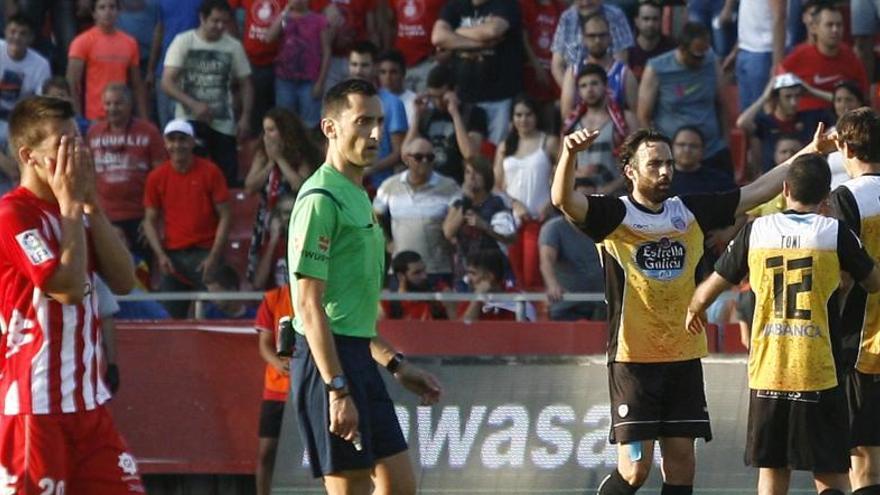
x: 356, y: 441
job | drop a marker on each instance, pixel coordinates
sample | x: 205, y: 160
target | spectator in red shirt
x: 188, y: 195
x: 414, y: 21
x: 104, y: 55
x: 411, y: 276
x: 125, y: 149
x: 276, y: 304
x: 261, y: 51
x: 540, y: 18
x: 485, y: 273
x: 828, y: 61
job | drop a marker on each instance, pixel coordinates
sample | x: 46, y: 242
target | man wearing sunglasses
x: 416, y: 201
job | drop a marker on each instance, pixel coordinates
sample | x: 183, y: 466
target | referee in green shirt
x: 337, y: 265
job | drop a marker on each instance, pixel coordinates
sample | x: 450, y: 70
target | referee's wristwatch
x: 338, y: 384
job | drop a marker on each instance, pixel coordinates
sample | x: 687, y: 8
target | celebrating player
x: 797, y: 409
x: 855, y: 203
x: 651, y: 246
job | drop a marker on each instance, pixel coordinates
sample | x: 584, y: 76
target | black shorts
x: 271, y: 416
x: 654, y: 400
x: 806, y: 431
x: 863, y: 395
x: 380, y: 432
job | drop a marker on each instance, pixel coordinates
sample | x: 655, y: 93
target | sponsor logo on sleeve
x: 34, y: 246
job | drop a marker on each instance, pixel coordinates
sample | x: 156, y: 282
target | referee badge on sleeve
x: 34, y: 246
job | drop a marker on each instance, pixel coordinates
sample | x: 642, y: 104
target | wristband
x: 395, y: 363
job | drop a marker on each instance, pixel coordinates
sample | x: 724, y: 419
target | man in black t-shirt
x: 486, y: 39
x: 456, y: 130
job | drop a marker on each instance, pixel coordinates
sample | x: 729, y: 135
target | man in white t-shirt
x: 761, y: 42
x: 22, y: 72
x: 200, y: 66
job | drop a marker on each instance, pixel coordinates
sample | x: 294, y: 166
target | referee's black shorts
x: 655, y: 400
x: 380, y: 432
x: 805, y: 431
x: 863, y: 395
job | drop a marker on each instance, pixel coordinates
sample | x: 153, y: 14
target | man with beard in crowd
x: 411, y: 276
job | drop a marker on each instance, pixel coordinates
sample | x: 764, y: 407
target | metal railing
x: 520, y: 298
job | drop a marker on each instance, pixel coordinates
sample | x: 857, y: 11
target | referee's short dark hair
x: 401, y: 261
x: 809, y: 179
x: 859, y: 129
x: 336, y: 99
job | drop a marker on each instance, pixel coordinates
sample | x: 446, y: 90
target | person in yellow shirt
x: 798, y: 416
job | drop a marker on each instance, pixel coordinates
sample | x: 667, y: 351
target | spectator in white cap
x: 782, y: 96
x: 188, y: 196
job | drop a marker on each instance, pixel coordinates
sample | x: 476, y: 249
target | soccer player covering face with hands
x: 798, y: 416
x: 337, y: 267
x: 55, y: 434
x: 651, y: 243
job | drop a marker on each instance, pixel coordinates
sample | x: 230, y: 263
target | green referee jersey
x: 335, y: 237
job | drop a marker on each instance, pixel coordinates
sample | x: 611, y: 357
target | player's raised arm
x: 769, y: 185
x: 573, y: 204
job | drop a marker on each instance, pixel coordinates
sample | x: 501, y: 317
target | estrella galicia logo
x: 661, y: 260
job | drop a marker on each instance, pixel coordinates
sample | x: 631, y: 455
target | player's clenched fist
x: 580, y: 140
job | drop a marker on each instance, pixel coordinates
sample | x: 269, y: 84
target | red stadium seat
x: 244, y: 212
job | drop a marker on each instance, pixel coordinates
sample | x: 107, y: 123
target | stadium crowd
x: 476, y: 94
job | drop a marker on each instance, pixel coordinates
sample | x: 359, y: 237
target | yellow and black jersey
x: 794, y: 261
x: 650, y: 260
x: 857, y: 204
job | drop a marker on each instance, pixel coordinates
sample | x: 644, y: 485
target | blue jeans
x: 296, y: 95
x: 498, y: 116
x: 752, y: 74
x: 164, y: 108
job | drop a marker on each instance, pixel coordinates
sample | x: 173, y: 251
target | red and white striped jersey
x: 50, y: 353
